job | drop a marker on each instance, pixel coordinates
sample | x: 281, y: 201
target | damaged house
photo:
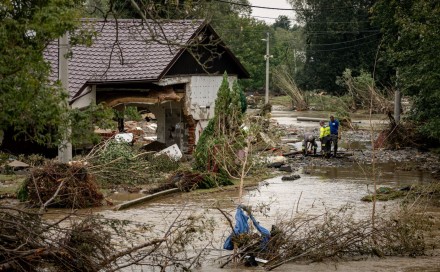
x: 173, y: 69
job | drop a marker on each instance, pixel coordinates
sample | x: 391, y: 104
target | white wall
x: 85, y: 100
x: 201, y: 93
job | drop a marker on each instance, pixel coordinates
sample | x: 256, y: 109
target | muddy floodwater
x: 319, y: 188
x: 275, y: 200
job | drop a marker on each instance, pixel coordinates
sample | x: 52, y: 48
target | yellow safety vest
x: 324, y: 131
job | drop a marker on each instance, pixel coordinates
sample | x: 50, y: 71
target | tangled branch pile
x: 363, y: 92
x: 61, y: 185
x: 119, y: 163
x: 396, y: 136
x: 337, y: 235
x: 29, y: 243
x: 187, y: 181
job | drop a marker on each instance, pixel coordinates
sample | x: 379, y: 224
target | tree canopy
x: 338, y: 35
x: 411, y: 42
x: 29, y: 103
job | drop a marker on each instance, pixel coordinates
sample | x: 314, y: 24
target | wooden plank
x: 136, y: 201
x: 310, y: 119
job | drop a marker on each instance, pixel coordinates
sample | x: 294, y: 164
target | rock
x: 275, y: 164
x: 293, y: 177
x: 285, y: 168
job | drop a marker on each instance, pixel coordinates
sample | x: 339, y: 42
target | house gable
x: 187, y: 64
x: 210, y: 56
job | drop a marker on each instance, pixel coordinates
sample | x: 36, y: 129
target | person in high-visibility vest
x: 324, y: 136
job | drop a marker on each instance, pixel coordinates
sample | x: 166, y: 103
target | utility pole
x: 65, y: 148
x: 397, y: 99
x: 397, y: 96
x: 267, y: 57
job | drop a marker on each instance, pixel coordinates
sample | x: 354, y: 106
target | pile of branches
x: 61, y: 185
x: 30, y: 244
x: 191, y: 180
x: 397, y: 136
x: 73, y: 243
x: 337, y: 236
x: 364, y: 94
x: 113, y: 163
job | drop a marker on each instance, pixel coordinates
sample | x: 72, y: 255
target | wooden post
x: 65, y: 148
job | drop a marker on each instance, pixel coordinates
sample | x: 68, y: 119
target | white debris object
x: 172, y: 151
x: 150, y: 138
x: 276, y: 159
x: 18, y: 164
x: 124, y: 137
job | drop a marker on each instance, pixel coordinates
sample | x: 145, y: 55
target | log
x: 293, y: 153
x: 310, y: 119
x: 136, y: 201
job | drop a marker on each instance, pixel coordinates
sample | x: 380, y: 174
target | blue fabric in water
x: 242, y: 226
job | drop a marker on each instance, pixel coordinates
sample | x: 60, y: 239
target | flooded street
x: 320, y: 188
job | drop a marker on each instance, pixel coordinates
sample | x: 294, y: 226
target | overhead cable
x: 273, y: 8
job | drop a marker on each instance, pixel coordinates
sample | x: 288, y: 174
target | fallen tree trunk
x: 136, y: 201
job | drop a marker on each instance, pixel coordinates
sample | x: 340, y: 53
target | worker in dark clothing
x: 309, y: 138
x: 334, y: 133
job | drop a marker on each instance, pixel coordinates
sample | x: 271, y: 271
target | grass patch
x: 9, y: 184
x: 430, y: 191
x: 282, y: 100
x: 385, y: 194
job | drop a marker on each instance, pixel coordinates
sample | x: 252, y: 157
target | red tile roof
x: 125, y: 50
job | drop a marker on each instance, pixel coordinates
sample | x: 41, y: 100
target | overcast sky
x: 270, y: 12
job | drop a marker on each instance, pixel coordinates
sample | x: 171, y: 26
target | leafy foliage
x: 338, y: 35
x: 84, y: 122
x: 117, y: 164
x: 282, y: 22
x: 221, y: 130
x: 411, y: 45
x: 364, y: 93
x: 29, y: 103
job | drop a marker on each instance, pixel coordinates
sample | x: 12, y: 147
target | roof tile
x: 137, y: 50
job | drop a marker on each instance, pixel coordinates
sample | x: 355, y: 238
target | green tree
x: 29, y: 103
x: 411, y: 43
x: 282, y: 22
x: 287, y: 53
x: 338, y: 35
x: 220, y: 133
x: 243, y: 36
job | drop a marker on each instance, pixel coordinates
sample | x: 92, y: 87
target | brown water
x: 324, y: 188
x: 361, y: 120
x: 318, y: 189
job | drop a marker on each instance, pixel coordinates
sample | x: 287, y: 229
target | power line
x: 311, y: 22
x: 341, y: 48
x: 336, y: 43
x: 293, y: 9
x: 355, y: 40
x: 238, y: 30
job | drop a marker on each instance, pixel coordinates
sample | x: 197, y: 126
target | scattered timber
x: 295, y: 153
x: 136, y: 201
x: 310, y: 119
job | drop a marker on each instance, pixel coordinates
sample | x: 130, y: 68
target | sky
x: 270, y: 12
